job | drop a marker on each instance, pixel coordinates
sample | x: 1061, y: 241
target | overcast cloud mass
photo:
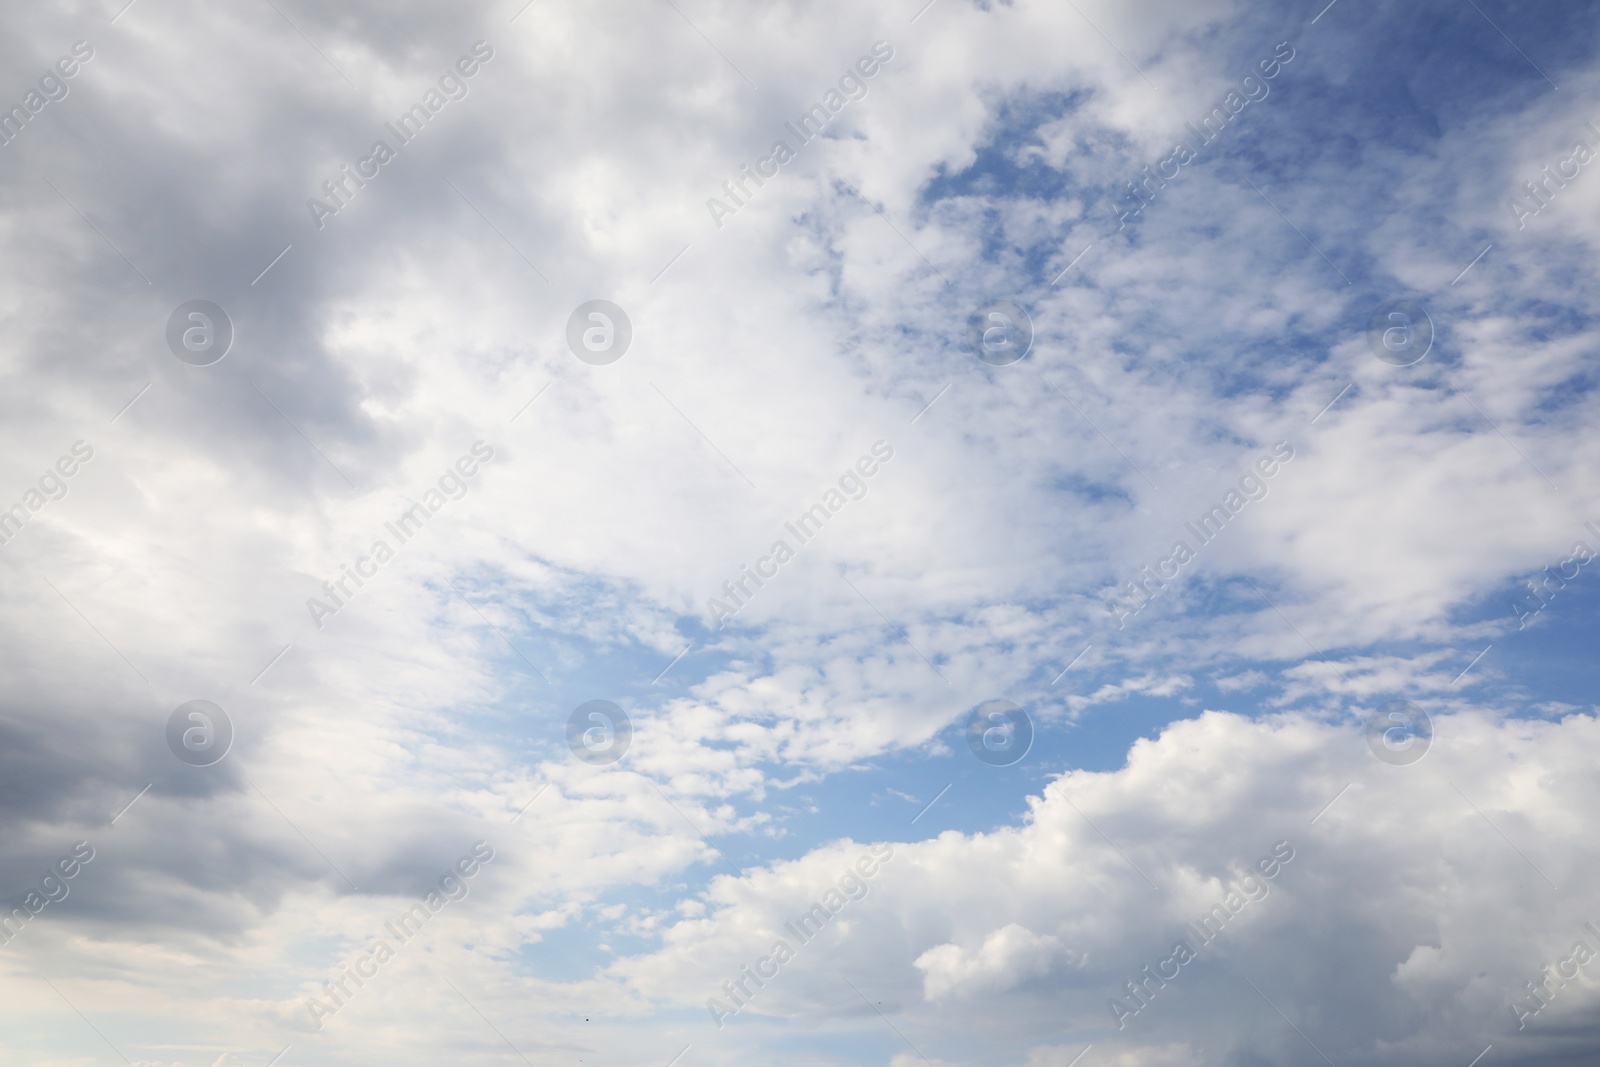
x: 1036, y: 533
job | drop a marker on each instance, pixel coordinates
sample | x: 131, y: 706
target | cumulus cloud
x: 217, y: 545
x: 1007, y: 956
x: 1278, y: 851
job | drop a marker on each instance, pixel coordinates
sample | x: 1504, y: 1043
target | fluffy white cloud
x: 769, y: 354
x: 1219, y: 835
x: 1007, y: 956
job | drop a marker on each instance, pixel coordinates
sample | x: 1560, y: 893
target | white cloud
x: 1024, y: 933
x: 1007, y: 956
x: 431, y: 709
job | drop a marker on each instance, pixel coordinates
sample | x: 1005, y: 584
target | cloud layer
x: 557, y: 529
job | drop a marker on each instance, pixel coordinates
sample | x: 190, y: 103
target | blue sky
x: 771, y: 350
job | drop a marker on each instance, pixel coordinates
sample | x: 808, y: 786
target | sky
x: 678, y: 533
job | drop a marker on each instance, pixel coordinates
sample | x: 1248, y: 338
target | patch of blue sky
x: 1008, y: 168
x: 588, y: 942
x: 1553, y: 660
x: 1523, y: 672
x: 871, y: 1042
x: 1539, y: 657
x: 1080, y: 484
x: 575, y: 665
x: 1005, y: 164
x: 897, y: 797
